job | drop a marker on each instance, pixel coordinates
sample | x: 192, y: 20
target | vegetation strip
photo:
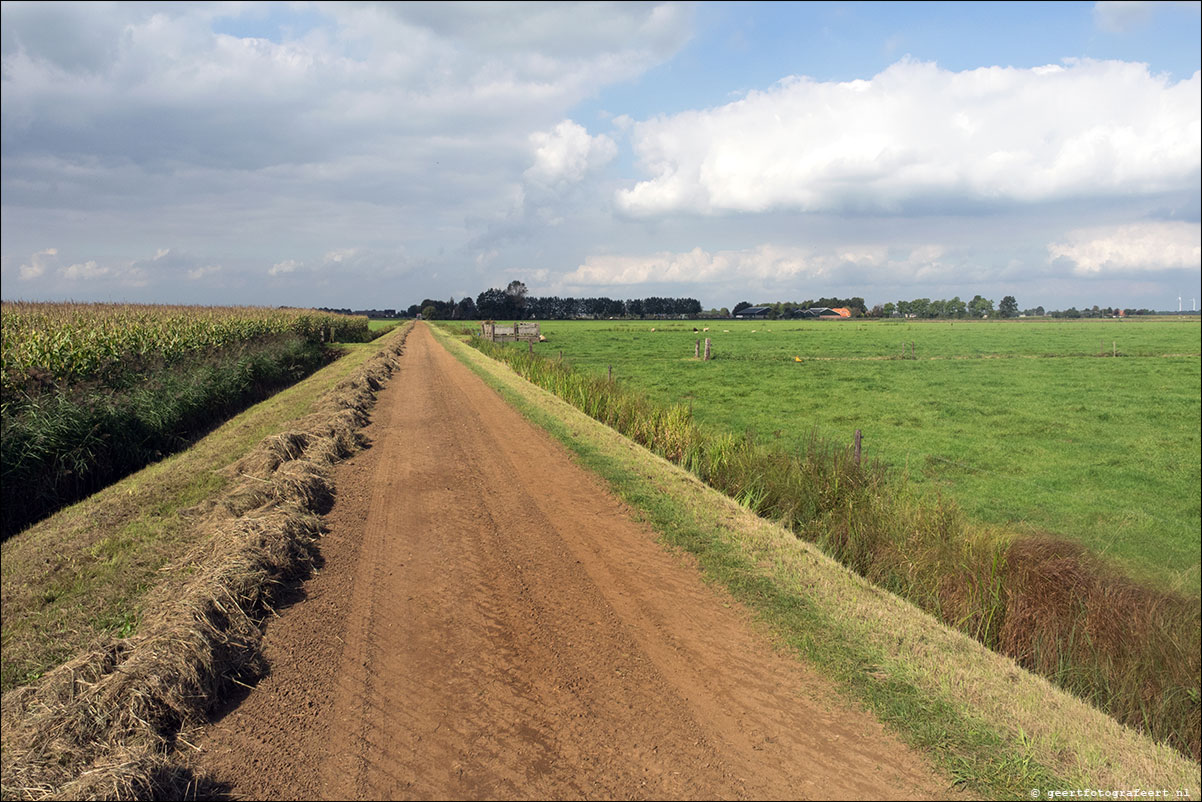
x: 101, y: 725
x: 983, y: 717
x: 93, y: 392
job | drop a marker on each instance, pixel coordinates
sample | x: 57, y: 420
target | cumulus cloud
x: 566, y: 153
x: 284, y: 267
x: 197, y: 273
x: 37, y: 264
x: 1135, y: 247
x: 86, y: 271
x: 764, y: 262
x: 917, y: 135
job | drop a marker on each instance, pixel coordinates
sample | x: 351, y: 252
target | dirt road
x: 491, y: 623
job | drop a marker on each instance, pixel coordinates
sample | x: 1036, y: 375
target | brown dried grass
x: 1130, y: 649
x: 102, y: 725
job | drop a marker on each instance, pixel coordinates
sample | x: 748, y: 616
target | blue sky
x: 376, y: 154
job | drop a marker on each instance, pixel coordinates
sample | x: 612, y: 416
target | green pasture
x: 1023, y: 423
x: 376, y: 324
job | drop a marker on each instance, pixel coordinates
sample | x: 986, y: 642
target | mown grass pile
x: 1131, y: 651
x: 92, y: 392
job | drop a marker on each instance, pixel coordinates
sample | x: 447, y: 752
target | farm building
x: 754, y: 312
x: 824, y: 313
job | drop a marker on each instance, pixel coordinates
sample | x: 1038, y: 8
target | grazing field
x: 1029, y: 425
x: 92, y: 392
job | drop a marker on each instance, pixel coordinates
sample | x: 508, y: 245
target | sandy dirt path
x: 491, y: 623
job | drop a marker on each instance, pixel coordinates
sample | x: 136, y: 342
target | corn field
x: 69, y: 342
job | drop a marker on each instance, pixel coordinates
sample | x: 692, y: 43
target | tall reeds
x: 1130, y: 650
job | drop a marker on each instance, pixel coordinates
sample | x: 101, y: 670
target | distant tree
x: 739, y: 307
x: 517, y: 293
x: 494, y: 304
x: 465, y: 309
x: 888, y: 309
x: 980, y: 306
x: 1008, y: 307
x: 429, y: 313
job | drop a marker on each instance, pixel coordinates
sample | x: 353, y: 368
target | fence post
x: 611, y: 372
x: 530, y: 347
x: 697, y: 349
x: 707, y: 349
x: 857, y: 446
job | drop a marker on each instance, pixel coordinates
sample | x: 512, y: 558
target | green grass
x: 996, y: 731
x: 1020, y: 422
x: 377, y: 325
x: 82, y: 573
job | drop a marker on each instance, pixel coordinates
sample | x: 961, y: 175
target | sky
x: 372, y: 155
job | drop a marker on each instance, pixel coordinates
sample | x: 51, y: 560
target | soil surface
x: 491, y: 623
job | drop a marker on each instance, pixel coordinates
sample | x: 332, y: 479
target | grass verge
x: 996, y: 729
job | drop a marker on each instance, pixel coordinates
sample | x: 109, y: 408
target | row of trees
x: 979, y: 306
x: 514, y: 303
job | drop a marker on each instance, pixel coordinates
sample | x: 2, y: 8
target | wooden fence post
x: 530, y: 347
x: 857, y: 446
x: 611, y: 372
x: 697, y: 349
x: 707, y: 349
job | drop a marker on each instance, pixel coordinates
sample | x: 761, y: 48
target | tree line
x: 514, y: 303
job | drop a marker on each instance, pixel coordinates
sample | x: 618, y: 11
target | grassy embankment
x: 83, y: 573
x: 995, y: 729
x: 1021, y: 422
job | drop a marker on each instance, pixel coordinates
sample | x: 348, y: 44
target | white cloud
x: 197, y: 273
x: 1135, y: 247
x: 37, y: 264
x: 768, y: 261
x: 916, y: 135
x: 566, y: 153
x: 282, y: 268
x: 339, y: 256
x: 86, y: 271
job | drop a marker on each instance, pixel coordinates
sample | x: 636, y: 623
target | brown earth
x: 491, y: 623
